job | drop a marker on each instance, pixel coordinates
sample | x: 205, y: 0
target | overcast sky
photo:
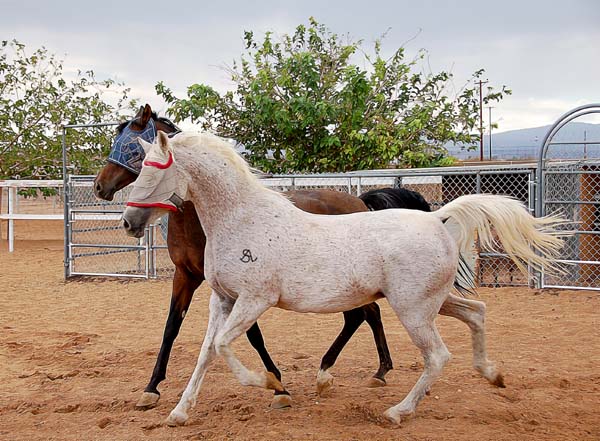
x: 547, y: 52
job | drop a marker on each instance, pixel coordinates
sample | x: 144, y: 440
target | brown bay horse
x: 186, y: 242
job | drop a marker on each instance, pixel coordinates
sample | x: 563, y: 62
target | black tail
x: 464, y: 282
x: 384, y: 198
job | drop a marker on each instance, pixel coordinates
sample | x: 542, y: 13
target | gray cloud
x: 547, y: 53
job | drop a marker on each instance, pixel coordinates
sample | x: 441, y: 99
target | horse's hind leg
x: 352, y: 321
x: 280, y: 399
x: 373, y: 317
x: 184, y: 285
x: 418, y: 319
x: 472, y: 312
x: 219, y: 309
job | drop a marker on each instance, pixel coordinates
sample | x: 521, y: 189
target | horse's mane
x: 213, y: 143
x: 155, y: 117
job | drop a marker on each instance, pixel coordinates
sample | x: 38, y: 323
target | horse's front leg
x: 184, y: 285
x: 246, y: 310
x: 219, y: 309
x: 281, y: 399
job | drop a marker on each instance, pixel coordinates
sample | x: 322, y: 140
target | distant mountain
x: 525, y: 143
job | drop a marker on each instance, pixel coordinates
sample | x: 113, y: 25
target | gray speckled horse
x: 264, y: 252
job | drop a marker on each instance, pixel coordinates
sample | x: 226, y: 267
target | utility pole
x: 490, y: 120
x: 481, y: 83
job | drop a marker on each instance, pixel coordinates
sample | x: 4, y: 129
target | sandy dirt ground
x: 76, y: 356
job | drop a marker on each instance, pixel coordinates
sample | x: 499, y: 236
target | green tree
x: 36, y: 100
x: 304, y: 103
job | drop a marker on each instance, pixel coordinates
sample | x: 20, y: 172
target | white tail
x: 526, y: 239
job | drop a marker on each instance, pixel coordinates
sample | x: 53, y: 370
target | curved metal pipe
x: 554, y: 129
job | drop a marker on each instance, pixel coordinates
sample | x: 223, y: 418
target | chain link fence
x: 97, y: 245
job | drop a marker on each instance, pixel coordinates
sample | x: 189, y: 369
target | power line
x: 481, y: 83
x: 490, y: 133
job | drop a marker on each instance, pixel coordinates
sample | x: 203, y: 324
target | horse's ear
x: 163, y: 141
x: 146, y: 115
x: 145, y: 145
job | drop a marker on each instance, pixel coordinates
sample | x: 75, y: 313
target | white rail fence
x: 25, y: 200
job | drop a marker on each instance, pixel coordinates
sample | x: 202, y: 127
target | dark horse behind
x: 186, y: 242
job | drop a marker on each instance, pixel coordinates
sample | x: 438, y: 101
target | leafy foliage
x: 303, y: 103
x: 36, y: 100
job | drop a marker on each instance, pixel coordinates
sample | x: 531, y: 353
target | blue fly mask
x: 127, y: 152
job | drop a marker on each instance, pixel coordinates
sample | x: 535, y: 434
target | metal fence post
x: 150, y: 250
x: 532, y: 193
x: 66, y: 202
x: 536, y: 276
x: 146, y: 251
x: 12, y: 196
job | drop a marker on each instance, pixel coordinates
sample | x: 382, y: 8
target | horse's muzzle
x: 134, y: 224
x: 102, y: 192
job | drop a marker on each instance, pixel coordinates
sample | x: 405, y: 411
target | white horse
x: 263, y: 252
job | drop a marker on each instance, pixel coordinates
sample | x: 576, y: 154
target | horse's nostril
x: 98, y: 188
x: 126, y: 224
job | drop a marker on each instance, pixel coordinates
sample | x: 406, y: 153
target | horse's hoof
x: 376, y: 382
x: 491, y: 374
x: 498, y: 381
x: 281, y: 401
x: 395, y: 417
x: 324, y: 381
x: 177, y: 418
x: 273, y: 382
x: 148, y: 400
x: 392, y: 417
